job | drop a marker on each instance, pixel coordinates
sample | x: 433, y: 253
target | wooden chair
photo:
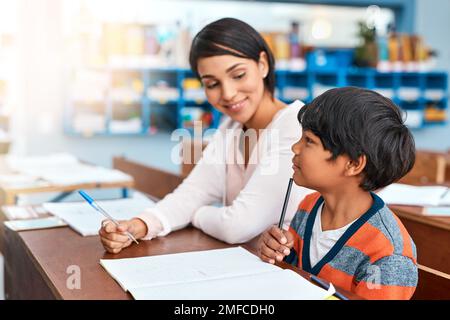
x: 429, y: 168
x: 432, y: 285
x: 152, y: 181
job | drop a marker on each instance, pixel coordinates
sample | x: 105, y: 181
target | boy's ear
x: 355, y: 167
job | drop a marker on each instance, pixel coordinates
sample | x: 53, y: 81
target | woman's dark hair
x: 229, y: 36
x: 355, y: 122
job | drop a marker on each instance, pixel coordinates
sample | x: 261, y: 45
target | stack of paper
x: 81, y: 217
x: 403, y: 194
x: 225, y: 274
x: 437, y: 211
x: 35, y: 224
x: 64, y: 169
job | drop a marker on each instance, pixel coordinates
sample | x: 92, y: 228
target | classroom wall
x: 38, y: 124
x: 433, y: 23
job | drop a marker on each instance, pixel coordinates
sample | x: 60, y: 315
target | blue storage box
x: 329, y: 59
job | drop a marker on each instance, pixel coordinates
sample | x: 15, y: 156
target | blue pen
x: 103, y: 212
x: 326, y: 286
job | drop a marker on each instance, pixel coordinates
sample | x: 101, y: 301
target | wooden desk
x: 9, y: 194
x: 430, y: 234
x: 36, y: 262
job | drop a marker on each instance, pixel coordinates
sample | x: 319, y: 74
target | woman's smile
x: 236, y: 107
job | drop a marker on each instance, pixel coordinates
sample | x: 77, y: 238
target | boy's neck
x: 343, y: 206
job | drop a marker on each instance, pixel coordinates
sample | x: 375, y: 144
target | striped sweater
x: 375, y: 257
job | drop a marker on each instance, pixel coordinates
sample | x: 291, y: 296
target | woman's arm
x: 203, y: 186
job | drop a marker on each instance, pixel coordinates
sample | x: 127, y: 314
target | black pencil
x: 285, y: 204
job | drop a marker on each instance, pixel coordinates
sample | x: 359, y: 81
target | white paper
x: 274, y: 285
x: 24, y: 163
x: 437, y: 211
x: 403, y: 194
x: 445, y: 198
x: 19, y: 212
x: 84, y: 219
x: 232, y: 273
x: 64, y: 169
x: 34, y: 224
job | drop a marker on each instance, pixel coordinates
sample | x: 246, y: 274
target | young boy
x: 353, y: 142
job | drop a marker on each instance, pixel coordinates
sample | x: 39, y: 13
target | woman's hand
x: 275, y: 244
x: 114, y: 238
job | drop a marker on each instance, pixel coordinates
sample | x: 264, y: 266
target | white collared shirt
x: 323, y: 241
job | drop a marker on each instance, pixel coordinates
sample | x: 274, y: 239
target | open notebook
x: 81, y: 217
x: 225, y: 274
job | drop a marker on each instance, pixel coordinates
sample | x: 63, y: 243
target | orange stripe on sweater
x: 336, y: 277
x: 371, y: 242
x: 307, y: 204
x: 384, y: 292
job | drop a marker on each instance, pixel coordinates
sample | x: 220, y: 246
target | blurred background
x: 100, y: 78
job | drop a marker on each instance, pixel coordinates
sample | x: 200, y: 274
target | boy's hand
x: 275, y: 244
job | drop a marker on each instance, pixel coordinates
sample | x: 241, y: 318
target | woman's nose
x: 228, y: 91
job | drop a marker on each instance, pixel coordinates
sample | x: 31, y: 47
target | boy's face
x: 312, y: 167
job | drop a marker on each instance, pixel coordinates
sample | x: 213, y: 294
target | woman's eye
x: 211, y: 85
x: 239, y: 76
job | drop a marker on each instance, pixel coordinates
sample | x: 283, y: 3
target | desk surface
x: 416, y: 213
x: 36, y: 262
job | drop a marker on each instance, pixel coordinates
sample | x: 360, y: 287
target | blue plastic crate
x: 329, y: 59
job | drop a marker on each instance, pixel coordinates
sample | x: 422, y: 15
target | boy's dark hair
x: 355, y: 122
x: 229, y: 36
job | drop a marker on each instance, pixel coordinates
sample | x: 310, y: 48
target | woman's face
x: 233, y: 85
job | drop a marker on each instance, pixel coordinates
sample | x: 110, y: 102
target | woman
x: 247, y: 164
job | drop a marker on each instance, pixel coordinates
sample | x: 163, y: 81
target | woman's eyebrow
x: 234, y: 66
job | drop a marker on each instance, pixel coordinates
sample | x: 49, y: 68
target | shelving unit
x: 143, y: 101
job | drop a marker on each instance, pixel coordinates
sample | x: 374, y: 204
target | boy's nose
x: 296, y: 148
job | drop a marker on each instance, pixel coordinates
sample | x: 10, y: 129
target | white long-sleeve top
x: 252, y: 197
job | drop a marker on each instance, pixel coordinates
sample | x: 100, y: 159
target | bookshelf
x: 140, y: 102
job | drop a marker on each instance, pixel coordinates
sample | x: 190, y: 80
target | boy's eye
x: 308, y: 140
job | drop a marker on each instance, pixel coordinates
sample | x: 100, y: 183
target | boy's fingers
x: 290, y: 239
x: 267, y: 259
x: 278, y: 234
x: 273, y: 243
x: 269, y: 254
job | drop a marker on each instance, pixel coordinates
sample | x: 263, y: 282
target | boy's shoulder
x: 385, y: 230
x: 308, y: 202
x: 305, y: 207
